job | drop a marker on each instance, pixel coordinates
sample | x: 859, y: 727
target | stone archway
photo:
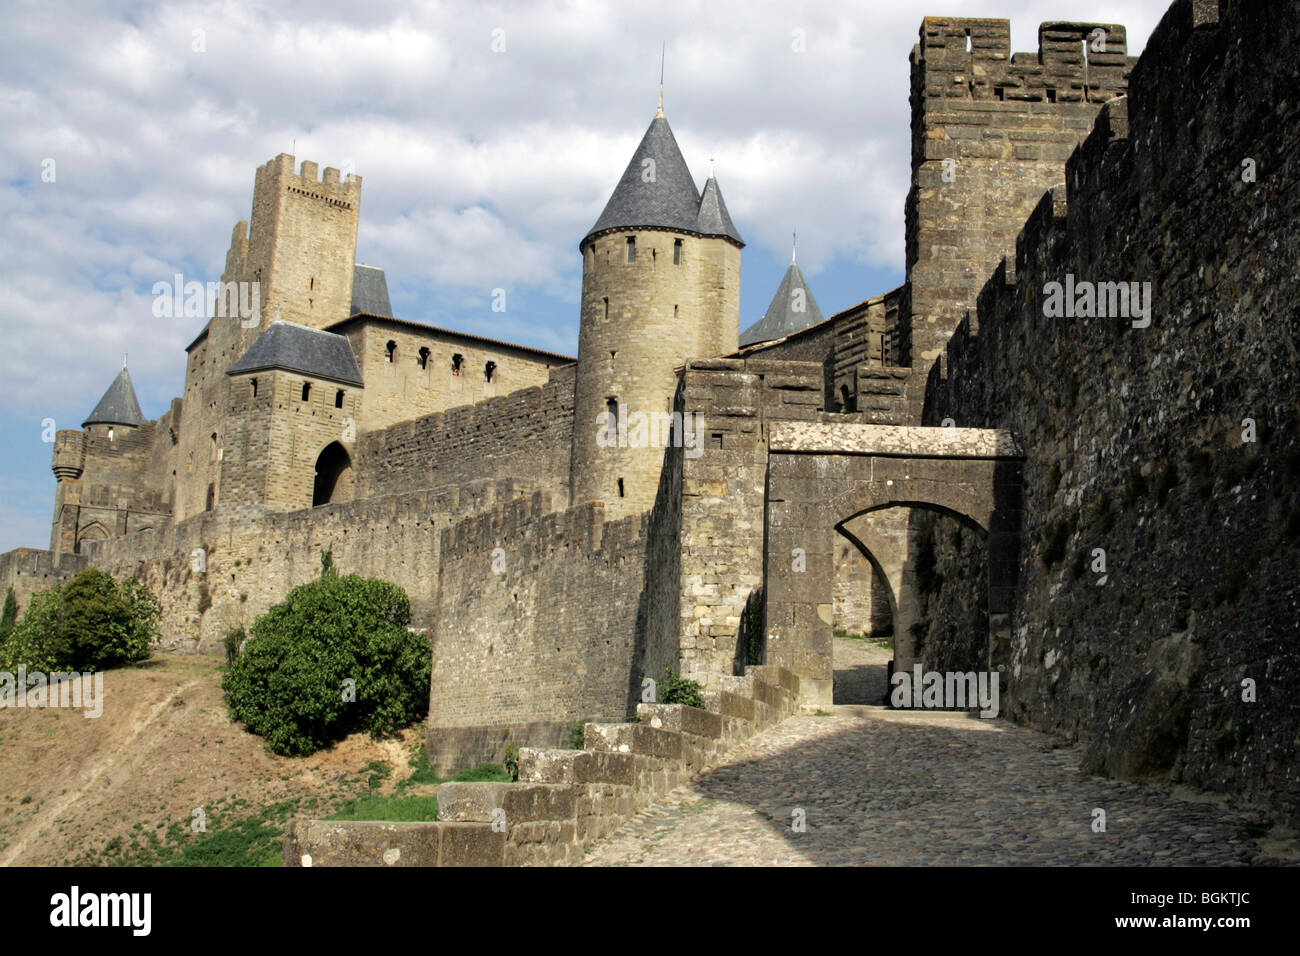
x: 333, y: 481
x: 822, y: 476
x: 94, y: 531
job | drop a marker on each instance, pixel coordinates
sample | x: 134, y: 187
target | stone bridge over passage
x: 825, y: 479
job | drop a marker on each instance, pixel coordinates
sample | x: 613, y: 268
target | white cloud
x: 481, y: 169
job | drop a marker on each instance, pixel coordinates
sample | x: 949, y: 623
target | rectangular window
x: 677, y: 252
x: 631, y: 248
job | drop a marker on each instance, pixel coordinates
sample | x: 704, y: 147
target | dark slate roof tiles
x: 297, y: 348
x: 119, y: 406
x: 783, y: 316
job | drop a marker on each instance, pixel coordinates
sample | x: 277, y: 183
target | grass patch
x: 394, y: 809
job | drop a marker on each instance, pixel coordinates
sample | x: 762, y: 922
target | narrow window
x: 391, y: 351
x: 631, y: 248
x: 212, y: 447
x: 677, y: 252
x: 254, y: 388
x: 110, y: 432
x: 967, y: 39
x: 606, y: 308
x: 312, y: 285
x: 611, y: 407
x: 424, y: 358
x: 620, y: 487
x: 338, y: 398
x: 456, y: 361
x: 674, y: 312
x: 488, y: 369
x: 306, y: 390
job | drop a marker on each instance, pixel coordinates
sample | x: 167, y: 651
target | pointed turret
x: 119, y: 406
x: 793, y: 309
x: 657, y: 191
x: 660, y: 285
x: 714, y: 220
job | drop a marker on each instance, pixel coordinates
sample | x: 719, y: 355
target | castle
x: 943, y: 458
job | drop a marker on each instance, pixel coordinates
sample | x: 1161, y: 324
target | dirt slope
x: 74, y: 789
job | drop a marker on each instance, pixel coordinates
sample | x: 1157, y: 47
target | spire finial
x: 123, y: 360
x: 794, y: 244
x: 662, y: 50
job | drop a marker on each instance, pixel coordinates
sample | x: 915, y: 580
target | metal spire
x: 794, y: 242
x: 662, y: 51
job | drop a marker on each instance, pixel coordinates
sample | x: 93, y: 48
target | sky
x: 488, y: 137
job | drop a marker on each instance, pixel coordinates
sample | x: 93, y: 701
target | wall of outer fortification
x: 525, y: 434
x: 403, y: 389
x: 251, y: 563
x: 1134, y: 436
x: 28, y: 570
x: 545, y: 638
x: 1005, y: 125
x: 640, y: 321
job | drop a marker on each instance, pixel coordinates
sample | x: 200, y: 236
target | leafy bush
x: 680, y: 690
x: 233, y: 641
x: 289, y: 685
x: 90, y: 623
x: 9, y: 617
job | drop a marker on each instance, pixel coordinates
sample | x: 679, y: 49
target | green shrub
x: 680, y: 690
x: 9, y: 617
x: 90, y: 623
x: 234, y: 640
x: 288, y: 684
x: 577, y: 735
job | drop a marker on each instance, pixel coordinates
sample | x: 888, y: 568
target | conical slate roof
x: 119, y: 406
x: 298, y: 348
x: 657, y: 191
x: 793, y: 309
x: 714, y: 220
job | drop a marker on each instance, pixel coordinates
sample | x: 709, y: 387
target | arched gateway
x: 823, y: 476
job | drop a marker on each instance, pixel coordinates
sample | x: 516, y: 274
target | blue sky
x: 482, y: 168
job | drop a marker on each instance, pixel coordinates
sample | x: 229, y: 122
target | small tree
x: 89, y: 623
x: 333, y: 658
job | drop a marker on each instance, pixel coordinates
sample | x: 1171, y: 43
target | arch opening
x: 333, y: 481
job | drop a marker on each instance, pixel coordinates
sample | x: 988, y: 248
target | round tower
x: 660, y: 285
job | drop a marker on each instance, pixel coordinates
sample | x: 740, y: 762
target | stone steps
x: 564, y: 800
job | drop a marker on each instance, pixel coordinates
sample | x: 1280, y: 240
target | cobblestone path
x: 885, y: 787
x: 861, y: 671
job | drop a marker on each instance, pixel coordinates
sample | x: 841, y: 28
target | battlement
x: 307, y: 182
x: 970, y: 58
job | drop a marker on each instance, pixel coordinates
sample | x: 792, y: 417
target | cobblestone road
x: 883, y: 787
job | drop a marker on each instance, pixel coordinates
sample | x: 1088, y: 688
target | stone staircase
x: 565, y: 800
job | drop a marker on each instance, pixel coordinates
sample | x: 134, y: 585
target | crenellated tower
x: 660, y: 284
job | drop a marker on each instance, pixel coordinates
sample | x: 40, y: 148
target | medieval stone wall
x: 1162, y: 510
x: 247, y: 564
x: 535, y: 629
x: 421, y: 379
x: 525, y: 434
x: 990, y: 132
